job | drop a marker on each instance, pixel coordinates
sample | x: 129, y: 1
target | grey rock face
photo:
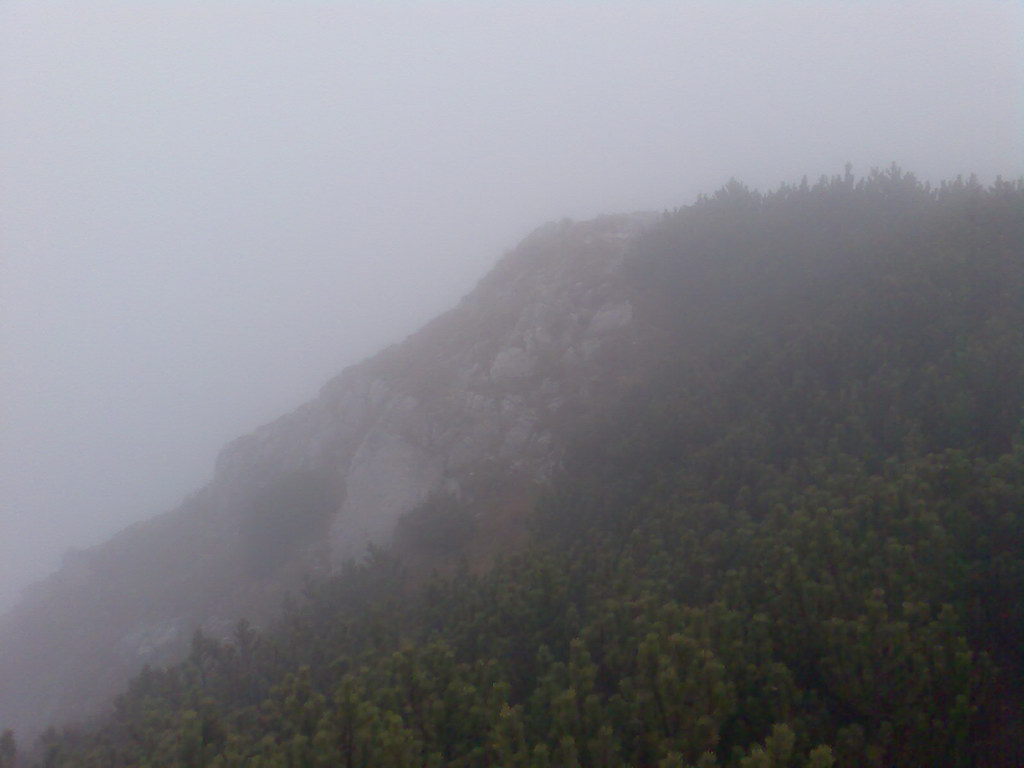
x: 389, y: 475
x: 612, y: 317
x: 479, y: 384
x: 512, y: 363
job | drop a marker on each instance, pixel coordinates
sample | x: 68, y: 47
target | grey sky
x: 207, y: 209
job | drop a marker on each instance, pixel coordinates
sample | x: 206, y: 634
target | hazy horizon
x: 209, y: 209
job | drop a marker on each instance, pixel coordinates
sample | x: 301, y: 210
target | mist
x: 209, y: 209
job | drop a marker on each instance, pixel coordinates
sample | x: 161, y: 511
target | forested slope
x: 798, y: 540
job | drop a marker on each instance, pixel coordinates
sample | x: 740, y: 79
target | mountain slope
x: 470, y: 406
x: 783, y: 528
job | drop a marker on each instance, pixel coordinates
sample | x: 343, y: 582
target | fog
x: 208, y: 209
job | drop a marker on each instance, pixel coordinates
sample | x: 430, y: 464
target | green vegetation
x: 798, y: 541
x: 442, y: 526
x: 289, y: 512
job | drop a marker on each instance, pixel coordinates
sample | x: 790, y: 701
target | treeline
x: 799, y: 541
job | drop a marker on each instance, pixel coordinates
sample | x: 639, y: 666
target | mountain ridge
x: 782, y: 523
x: 468, y: 394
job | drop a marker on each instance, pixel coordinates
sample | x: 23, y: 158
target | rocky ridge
x: 479, y: 385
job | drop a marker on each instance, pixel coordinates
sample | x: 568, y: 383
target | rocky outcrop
x: 481, y: 384
x: 491, y: 386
